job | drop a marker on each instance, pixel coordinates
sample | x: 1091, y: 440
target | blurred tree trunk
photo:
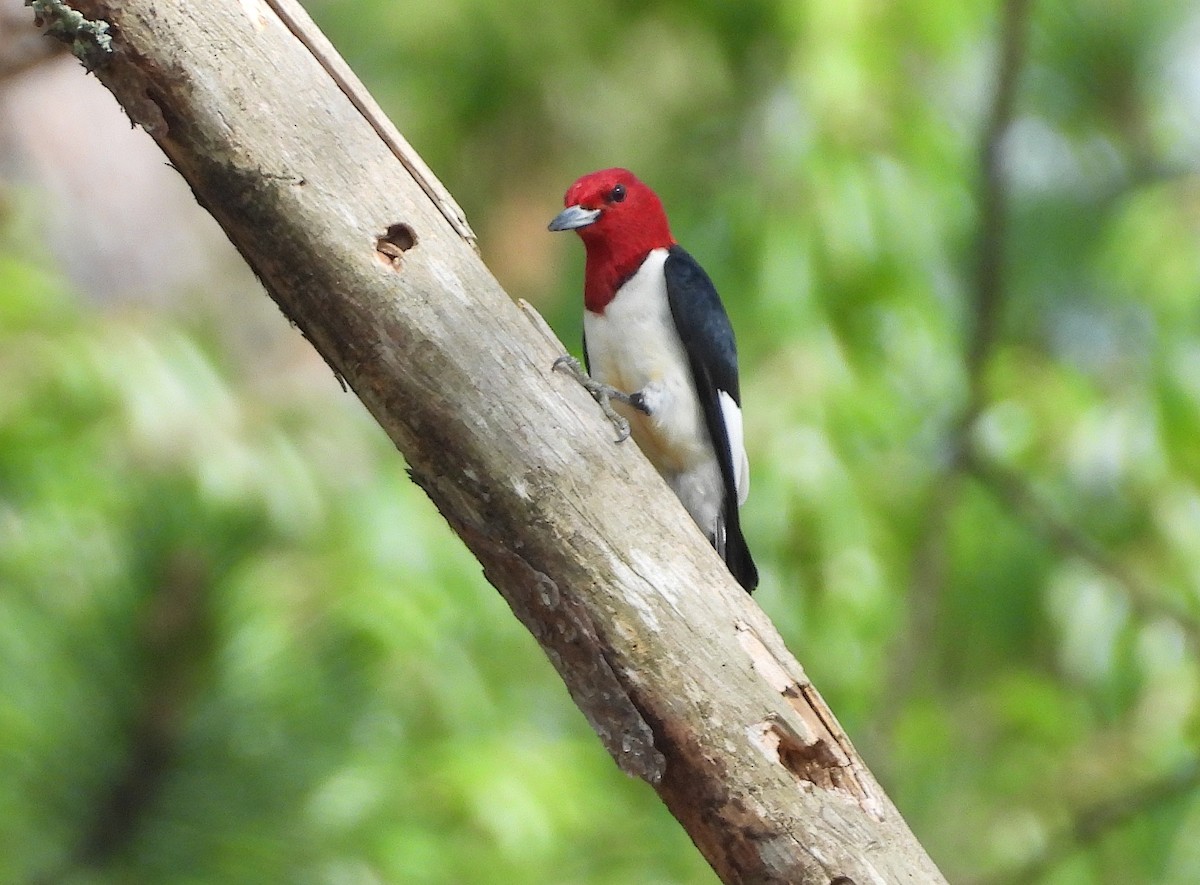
x: 681, y: 675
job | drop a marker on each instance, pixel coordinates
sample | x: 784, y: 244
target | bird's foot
x: 603, y: 394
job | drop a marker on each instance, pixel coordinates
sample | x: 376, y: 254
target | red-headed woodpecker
x: 657, y: 341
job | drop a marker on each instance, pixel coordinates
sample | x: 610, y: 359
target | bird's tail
x: 731, y: 544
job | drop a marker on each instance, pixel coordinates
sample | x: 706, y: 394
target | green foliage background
x: 237, y: 645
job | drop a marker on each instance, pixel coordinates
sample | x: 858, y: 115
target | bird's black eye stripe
x: 617, y: 194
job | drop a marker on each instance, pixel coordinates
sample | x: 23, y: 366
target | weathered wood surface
x: 681, y: 675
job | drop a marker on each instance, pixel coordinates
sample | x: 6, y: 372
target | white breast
x: 633, y: 346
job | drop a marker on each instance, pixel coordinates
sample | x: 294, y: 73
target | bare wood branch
x: 681, y: 675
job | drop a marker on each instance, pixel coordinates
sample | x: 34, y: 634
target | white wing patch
x: 737, y: 445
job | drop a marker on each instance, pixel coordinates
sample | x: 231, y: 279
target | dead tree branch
x: 681, y: 675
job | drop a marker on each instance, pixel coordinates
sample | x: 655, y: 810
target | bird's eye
x: 617, y: 194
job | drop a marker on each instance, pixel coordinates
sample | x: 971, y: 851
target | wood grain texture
x: 681, y: 675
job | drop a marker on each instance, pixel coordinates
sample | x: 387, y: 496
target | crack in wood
x: 809, y: 745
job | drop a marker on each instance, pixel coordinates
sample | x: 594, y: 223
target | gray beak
x: 574, y: 217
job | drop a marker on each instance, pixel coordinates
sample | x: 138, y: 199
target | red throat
x: 625, y: 232
x: 608, y: 269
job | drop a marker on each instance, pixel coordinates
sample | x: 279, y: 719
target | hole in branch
x: 398, y: 239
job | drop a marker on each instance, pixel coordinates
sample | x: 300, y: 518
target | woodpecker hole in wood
x: 816, y: 762
x: 398, y: 239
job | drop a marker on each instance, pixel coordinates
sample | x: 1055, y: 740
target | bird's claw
x: 618, y: 421
x: 603, y: 394
x: 568, y: 363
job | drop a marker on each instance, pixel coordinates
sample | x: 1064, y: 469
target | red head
x: 620, y: 220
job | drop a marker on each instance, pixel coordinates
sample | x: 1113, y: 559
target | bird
x: 660, y: 354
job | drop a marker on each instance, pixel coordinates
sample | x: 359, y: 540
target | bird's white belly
x: 633, y: 346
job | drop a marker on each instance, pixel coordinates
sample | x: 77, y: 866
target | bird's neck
x: 610, y: 264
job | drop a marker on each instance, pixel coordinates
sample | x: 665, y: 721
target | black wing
x: 707, y: 338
